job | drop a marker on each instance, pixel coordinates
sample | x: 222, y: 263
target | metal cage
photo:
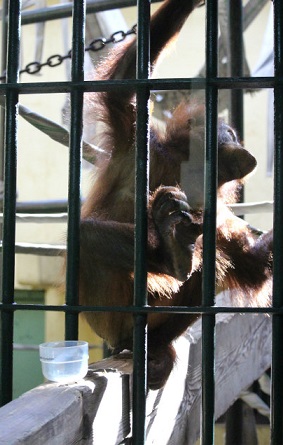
x: 143, y: 85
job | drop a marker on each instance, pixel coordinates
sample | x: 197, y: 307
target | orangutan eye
x: 232, y: 134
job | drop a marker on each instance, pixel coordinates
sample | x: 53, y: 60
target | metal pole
x: 277, y: 336
x: 65, y: 10
x: 142, y: 190
x: 73, y: 240
x: 209, y: 229
x: 8, y: 269
x: 235, y: 425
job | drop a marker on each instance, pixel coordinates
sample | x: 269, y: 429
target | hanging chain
x: 95, y: 45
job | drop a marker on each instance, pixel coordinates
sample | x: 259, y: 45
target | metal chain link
x: 95, y: 45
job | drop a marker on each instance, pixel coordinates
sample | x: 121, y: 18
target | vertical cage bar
x: 4, y: 35
x: 72, y: 277
x: 209, y: 229
x: 277, y: 335
x: 10, y: 175
x: 236, y: 62
x: 236, y: 43
x: 234, y: 415
x: 142, y: 175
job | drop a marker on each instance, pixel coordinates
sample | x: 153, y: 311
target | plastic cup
x: 64, y: 361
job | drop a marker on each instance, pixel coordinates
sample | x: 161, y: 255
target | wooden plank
x: 47, y: 415
x: 97, y: 409
x: 243, y: 353
x: 122, y: 363
x: 90, y: 411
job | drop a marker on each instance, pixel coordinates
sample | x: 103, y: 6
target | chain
x: 95, y: 45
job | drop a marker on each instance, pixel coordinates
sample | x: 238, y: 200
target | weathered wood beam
x: 97, y: 409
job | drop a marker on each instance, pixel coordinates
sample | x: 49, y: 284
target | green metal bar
x: 153, y: 84
x: 234, y: 416
x: 237, y: 62
x: 65, y: 10
x: 141, y: 202
x: 277, y: 336
x: 73, y: 255
x: 147, y: 309
x: 4, y: 35
x: 10, y: 168
x: 209, y: 229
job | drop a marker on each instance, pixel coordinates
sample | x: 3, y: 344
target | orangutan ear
x: 234, y: 162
